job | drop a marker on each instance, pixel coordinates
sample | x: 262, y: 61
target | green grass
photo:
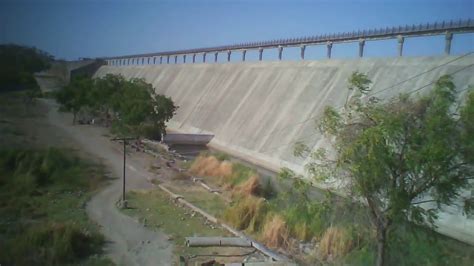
x: 156, y: 210
x: 42, y: 215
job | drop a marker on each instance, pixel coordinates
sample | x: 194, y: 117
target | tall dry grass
x: 251, y: 187
x: 275, y: 232
x: 248, y: 213
x: 336, y: 242
x: 211, y: 166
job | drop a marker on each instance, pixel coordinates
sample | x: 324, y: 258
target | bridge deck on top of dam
x: 258, y: 110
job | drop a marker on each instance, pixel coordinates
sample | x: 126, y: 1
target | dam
x: 258, y: 111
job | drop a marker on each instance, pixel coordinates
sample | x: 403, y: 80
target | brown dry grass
x: 336, y: 242
x: 211, y: 166
x: 251, y: 186
x: 275, y: 232
x: 248, y: 213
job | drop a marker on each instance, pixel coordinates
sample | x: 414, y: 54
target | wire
x: 410, y: 92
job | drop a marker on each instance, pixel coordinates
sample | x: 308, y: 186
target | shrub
x: 248, y: 213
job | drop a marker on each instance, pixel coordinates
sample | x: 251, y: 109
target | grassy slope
x: 42, y: 196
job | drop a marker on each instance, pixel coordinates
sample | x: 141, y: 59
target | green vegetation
x: 131, y: 106
x: 341, y: 226
x: 399, y: 155
x: 17, y: 65
x: 157, y: 210
x: 42, y: 216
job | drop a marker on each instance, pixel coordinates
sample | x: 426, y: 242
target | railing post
x: 176, y: 59
x: 260, y: 53
x: 228, y: 55
x: 167, y: 59
x: 184, y: 59
x: 161, y: 60
x: 361, y: 47
x: 194, y: 58
x: 329, y: 46
x: 401, y: 40
x: 243, y: 55
x: 447, y: 47
x: 303, y: 48
x: 128, y: 63
x: 204, y: 57
x: 215, y: 56
x: 280, y: 52
x: 148, y: 60
x: 154, y: 60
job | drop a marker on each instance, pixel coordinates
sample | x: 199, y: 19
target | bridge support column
x: 329, y: 46
x: 361, y: 47
x: 215, y: 56
x: 260, y: 54
x: 280, y: 52
x: 184, y: 59
x: 175, y: 59
x: 401, y: 40
x: 243, y: 55
x: 447, y: 47
x: 167, y: 59
x: 228, y: 55
x: 303, y: 48
x: 194, y: 58
x: 204, y: 57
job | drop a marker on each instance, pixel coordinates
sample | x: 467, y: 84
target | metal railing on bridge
x: 361, y: 36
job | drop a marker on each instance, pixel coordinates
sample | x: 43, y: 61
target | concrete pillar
x: 184, y: 58
x: 154, y: 60
x: 447, y: 47
x: 243, y: 55
x: 329, y: 46
x: 361, y: 47
x: 215, y: 56
x: 194, y: 58
x: 128, y: 61
x: 260, y: 54
x: 148, y: 60
x: 175, y: 59
x: 161, y: 60
x: 280, y: 52
x: 401, y: 40
x: 143, y: 61
x: 204, y: 57
x: 168, y: 59
x: 303, y: 48
x: 228, y: 55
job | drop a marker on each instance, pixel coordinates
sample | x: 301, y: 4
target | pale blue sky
x: 91, y: 28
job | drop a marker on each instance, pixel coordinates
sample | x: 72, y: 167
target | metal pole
x: 124, y: 163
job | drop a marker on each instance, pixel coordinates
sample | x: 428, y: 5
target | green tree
x: 102, y: 95
x: 399, y: 155
x: 17, y: 65
x: 75, y: 96
x: 140, y: 110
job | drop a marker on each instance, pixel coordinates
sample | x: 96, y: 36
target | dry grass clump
x: 275, y: 232
x: 211, y: 166
x: 247, y: 213
x: 336, y: 242
x: 251, y: 186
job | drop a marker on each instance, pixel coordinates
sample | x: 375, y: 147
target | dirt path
x: 130, y: 242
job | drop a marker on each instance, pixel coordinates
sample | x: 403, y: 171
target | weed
x: 248, y: 213
x: 275, y: 232
x: 336, y: 242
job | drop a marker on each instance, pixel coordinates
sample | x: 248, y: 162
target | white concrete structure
x: 258, y: 110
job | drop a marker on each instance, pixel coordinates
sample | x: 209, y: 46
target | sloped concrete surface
x: 259, y: 110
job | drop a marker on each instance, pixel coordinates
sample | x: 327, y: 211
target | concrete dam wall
x: 259, y: 110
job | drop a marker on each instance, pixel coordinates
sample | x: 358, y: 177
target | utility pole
x: 125, y: 140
